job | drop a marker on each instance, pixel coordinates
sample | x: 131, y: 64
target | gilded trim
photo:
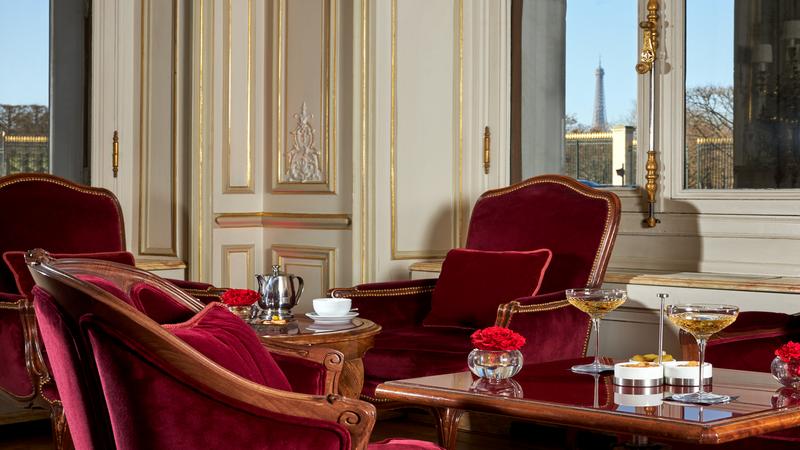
x: 145, y: 40
x: 355, y: 292
x: 328, y: 106
x: 227, y: 251
x: 309, y: 221
x: 227, y: 187
x: 457, y: 203
x: 325, y: 255
x: 162, y: 264
x: 364, y: 182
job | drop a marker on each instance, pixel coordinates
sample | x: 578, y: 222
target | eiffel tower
x: 599, y: 122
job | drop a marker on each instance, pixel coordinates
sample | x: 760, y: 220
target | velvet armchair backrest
x: 577, y: 223
x: 49, y: 212
x: 159, y: 392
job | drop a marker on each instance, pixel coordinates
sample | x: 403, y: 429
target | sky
x: 24, y: 46
x: 709, y: 59
x: 24, y: 40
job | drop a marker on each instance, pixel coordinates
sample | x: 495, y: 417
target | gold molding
x: 364, y: 182
x: 457, y: 213
x: 309, y: 221
x: 328, y: 105
x: 227, y: 187
x: 325, y: 255
x: 160, y: 264
x: 227, y: 251
x: 145, y: 180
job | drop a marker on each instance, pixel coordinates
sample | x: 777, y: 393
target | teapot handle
x: 299, y: 286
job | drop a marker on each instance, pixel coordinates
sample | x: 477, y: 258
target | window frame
x: 672, y: 92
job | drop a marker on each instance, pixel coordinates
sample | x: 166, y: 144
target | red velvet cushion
x: 473, y: 283
x: 15, y: 260
x: 231, y: 343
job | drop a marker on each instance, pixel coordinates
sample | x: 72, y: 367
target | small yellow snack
x: 651, y: 357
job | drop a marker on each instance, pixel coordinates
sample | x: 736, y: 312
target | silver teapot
x: 278, y: 295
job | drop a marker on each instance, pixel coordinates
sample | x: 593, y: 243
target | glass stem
x: 701, y: 345
x: 596, y: 325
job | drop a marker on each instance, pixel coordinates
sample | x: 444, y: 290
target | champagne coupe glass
x: 701, y: 321
x: 596, y: 303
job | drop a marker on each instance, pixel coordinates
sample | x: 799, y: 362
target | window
x: 24, y: 86
x: 600, y: 92
x: 43, y: 88
x: 742, y: 106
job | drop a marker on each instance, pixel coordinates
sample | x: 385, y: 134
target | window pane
x: 742, y: 103
x: 24, y: 86
x: 600, y: 141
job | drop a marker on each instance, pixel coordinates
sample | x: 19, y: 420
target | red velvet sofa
x: 577, y: 223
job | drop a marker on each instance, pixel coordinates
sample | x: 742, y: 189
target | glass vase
x: 494, y: 364
x: 242, y: 311
x: 787, y: 374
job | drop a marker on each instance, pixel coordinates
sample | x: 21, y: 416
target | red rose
x: 240, y: 297
x: 497, y: 338
x: 789, y: 352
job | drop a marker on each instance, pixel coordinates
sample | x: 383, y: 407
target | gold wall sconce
x: 647, y: 62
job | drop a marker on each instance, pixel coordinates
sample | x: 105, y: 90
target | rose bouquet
x: 497, y: 339
x: 496, y: 355
x: 239, y: 301
x: 239, y: 297
x: 786, y: 365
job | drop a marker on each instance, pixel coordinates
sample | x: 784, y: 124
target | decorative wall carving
x: 304, y: 64
x: 304, y: 161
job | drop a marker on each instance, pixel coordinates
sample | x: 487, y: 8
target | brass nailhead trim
x: 543, y: 306
x: 58, y: 182
x: 389, y: 292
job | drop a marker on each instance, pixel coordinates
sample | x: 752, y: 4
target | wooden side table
x: 353, y: 340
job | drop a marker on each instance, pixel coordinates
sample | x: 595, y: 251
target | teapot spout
x: 262, y: 284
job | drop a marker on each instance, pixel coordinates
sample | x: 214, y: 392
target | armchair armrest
x: 393, y: 304
x: 552, y: 327
x: 310, y: 370
x: 747, y: 344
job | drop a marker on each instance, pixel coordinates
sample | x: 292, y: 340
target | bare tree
x: 25, y: 119
x: 709, y: 134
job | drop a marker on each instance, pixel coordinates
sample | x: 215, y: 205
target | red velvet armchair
x: 578, y: 224
x: 128, y: 382
x: 49, y: 212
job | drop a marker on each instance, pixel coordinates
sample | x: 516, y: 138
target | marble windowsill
x: 755, y: 283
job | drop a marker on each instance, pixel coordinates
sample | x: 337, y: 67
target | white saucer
x: 332, y: 319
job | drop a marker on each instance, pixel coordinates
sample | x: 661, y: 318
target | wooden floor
x: 37, y: 435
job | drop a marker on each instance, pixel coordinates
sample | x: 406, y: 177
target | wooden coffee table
x: 550, y: 393
x: 352, y: 339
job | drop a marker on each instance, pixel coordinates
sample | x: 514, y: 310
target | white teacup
x: 331, y: 307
